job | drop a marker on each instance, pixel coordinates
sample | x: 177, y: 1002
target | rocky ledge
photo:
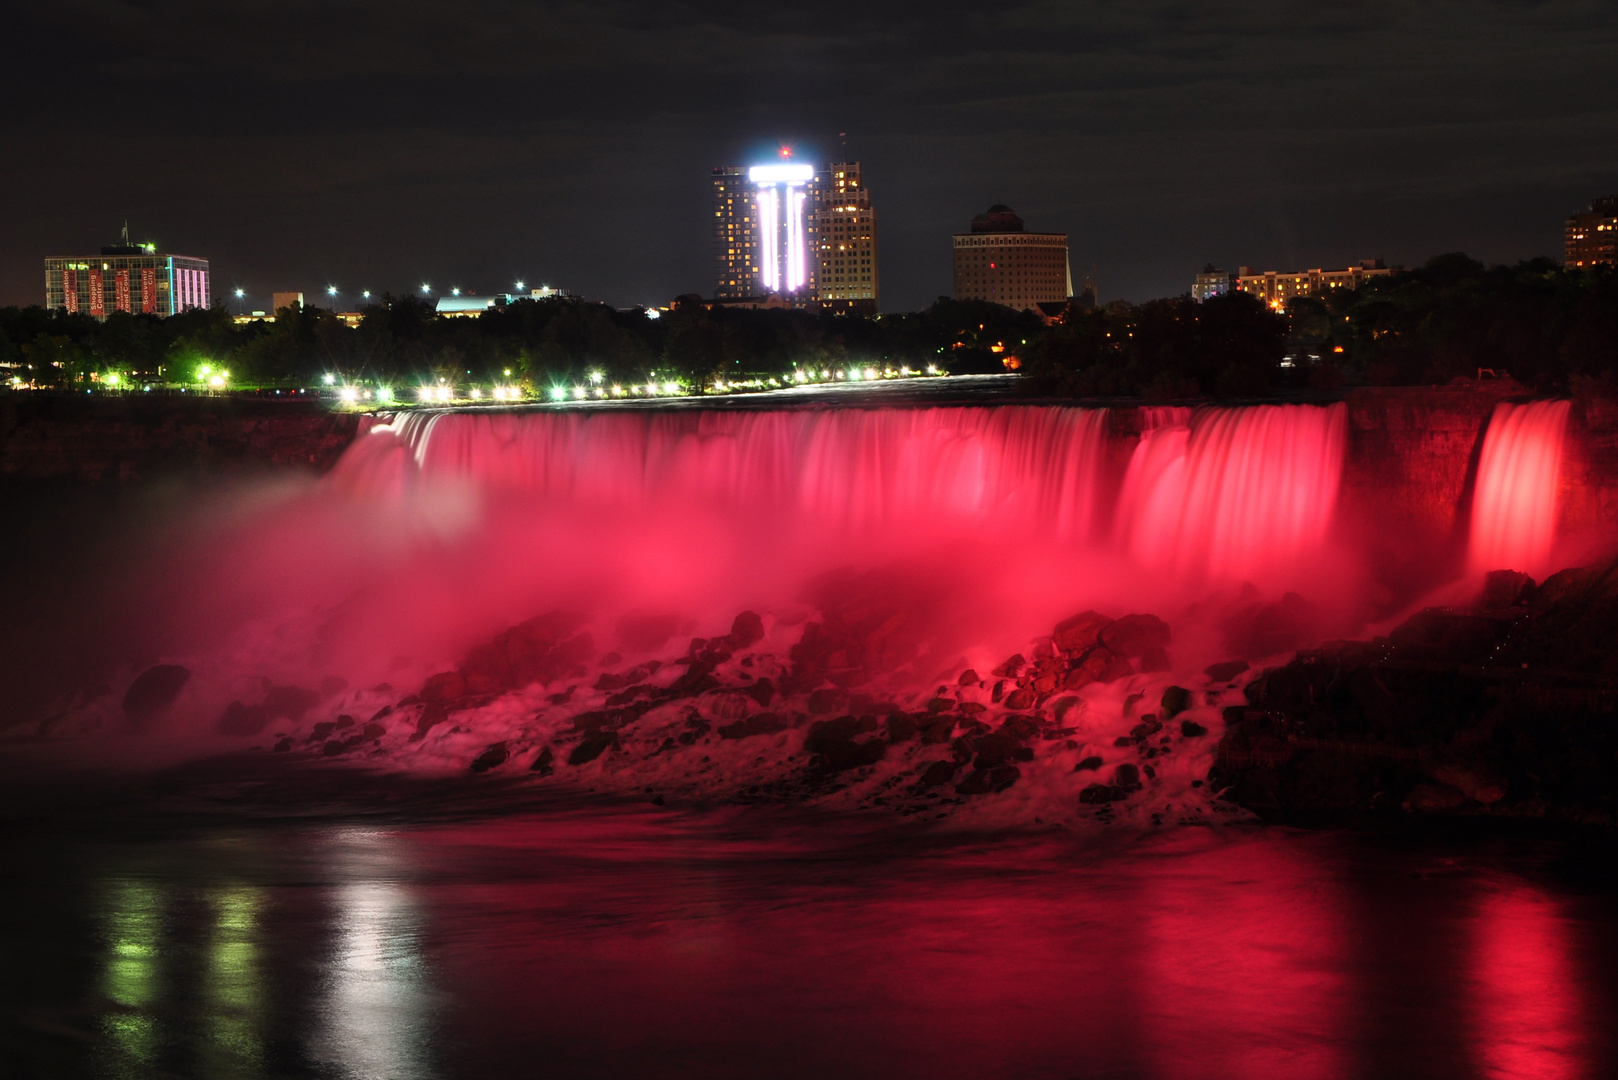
x: 1506, y: 708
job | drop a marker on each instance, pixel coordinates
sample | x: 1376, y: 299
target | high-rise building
x: 1592, y: 237
x: 789, y: 230
x: 845, y: 222
x: 1000, y: 262
x: 127, y: 277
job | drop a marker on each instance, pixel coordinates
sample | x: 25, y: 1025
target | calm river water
x: 313, y: 925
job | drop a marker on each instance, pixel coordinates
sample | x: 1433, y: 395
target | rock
x: 762, y: 691
x: 1192, y: 730
x: 746, y: 629
x: 1019, y: 728
x: 384, y: 711
x: 968, y: 678
x: 762, y: 724
x: 373, y: 731
x: 153, y: 691
x: 445, y: 686
x: 938, y: 731
x: 1023, y: 698
x: 1471, y: 779
x: 901, y: 728
x: 990, y: 781
x: 335, y: 747
x: 1145, y: 729
x: 239, y: 719
x: 284, y: 746
x: 1126, y: 776
x: 496, y: 754
x: 1506, y: 589
x: 1563, y: 584
x: 1133, y: 635
x: 1225, y: 670
x: 823, y: 701
x: 1101, y: 793
x: 939, y: 772
x: 833, y: 741
x: 592, y: 746
x: 1154, y: 660
x: 1062, y: 706
x: 1077, y: 633
x: 1089, y: 764
x: 1264, y: 629
x: 1175, y: 700
x: 994, y: 750
x: 344, y: 721
x: 1011, y: 668
x: 433, y: 715
x: 544, y: 762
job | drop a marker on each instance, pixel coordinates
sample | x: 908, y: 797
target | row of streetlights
x: 365, y: 294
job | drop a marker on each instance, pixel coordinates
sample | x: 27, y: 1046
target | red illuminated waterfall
x: 1238, y: 492
x: 1514, y: 505
x: 1232, y: 492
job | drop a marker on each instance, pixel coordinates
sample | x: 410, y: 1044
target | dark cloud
x: 378, y: 144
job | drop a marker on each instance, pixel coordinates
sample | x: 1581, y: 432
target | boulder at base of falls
x: 153, y: 691
x: 1505, y: 712
x: 1135, y: 635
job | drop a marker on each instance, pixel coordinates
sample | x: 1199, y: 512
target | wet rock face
x: 1505, y: 709
x: 1136, y: 635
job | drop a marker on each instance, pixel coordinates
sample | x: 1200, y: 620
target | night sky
x: 380, y: 145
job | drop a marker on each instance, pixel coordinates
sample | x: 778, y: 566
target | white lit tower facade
x: 781, y: 206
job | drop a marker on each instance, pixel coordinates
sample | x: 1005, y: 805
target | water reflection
x: 621, y: 944
x: 1529, y: 1019
x: 374, y: 1019
x: 132, y: 920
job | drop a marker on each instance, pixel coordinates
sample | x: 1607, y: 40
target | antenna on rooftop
x: 126, y: 232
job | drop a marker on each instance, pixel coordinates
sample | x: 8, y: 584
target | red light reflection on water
x: 1528, y: 1016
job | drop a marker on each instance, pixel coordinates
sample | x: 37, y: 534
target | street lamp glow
x: 426, y: 288
x: 671, y: 388
x: 519, y: 289
x: 595, y: 377
x: 366, y: 294
x: 455, y: 292
x: 240, y: 293
x: 331, y: 290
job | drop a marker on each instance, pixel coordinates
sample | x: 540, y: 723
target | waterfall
x: 1215, y: 492
x: 1232, y: 492
x: 1514, y: 503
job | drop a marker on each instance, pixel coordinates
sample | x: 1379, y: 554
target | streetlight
x: 331, y: 291
x: 426, y: 289
x: 239, y: 294
x: 455, y: 292
x: 519, y: 286
x: 366, y: 294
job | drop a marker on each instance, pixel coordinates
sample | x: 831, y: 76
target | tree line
x: 1553, y: 329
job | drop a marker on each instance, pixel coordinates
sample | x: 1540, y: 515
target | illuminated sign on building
x: 148, y: 290
x: 120, y: 290
x: 70, y: 291
x: 783, y: 257
x: 98, y: 296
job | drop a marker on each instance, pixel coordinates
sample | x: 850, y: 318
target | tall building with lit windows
x: 789, y: 230
x: 1000, y: 262
x: 845, y: 224
x: 136, y: 278
x: 1592, y: 236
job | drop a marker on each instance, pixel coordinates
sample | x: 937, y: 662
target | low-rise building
x: 1275, y: 287
x: 1212, y: 282
x: 136, y: 278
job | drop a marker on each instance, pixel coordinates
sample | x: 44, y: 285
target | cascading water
x: 1514, y: 503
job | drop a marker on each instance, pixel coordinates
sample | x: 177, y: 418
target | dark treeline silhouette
x: 1553, y: 329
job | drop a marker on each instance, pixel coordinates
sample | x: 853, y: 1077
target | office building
x: 1275, y: 288
x: 999, y: 261
x: 459, y: 306
x: 136, y: 278
x: 1592, y: 237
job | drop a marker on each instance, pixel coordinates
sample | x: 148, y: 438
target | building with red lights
x: 999, y: 261
x: 136, y: 278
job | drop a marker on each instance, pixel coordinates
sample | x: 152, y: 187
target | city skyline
x: 409, y: 154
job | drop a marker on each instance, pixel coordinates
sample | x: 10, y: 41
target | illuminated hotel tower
x: 789, y: 230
